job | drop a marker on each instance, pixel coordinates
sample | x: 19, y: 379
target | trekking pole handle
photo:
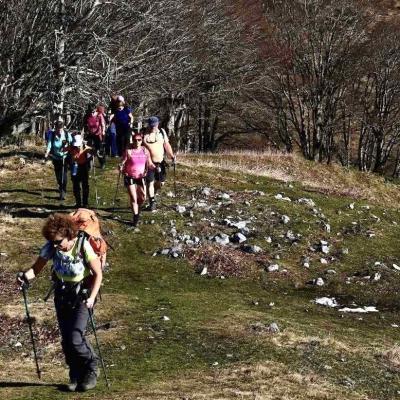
x: 23, y: 280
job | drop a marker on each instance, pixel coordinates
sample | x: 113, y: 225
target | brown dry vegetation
x: 329, y: 179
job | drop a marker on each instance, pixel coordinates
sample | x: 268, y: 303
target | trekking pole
x: 95, y: 182
x: 116, y: 190
x: 62, y: 178
x: 28, y: 317
x: 174, y: 177
x: 92, y: 323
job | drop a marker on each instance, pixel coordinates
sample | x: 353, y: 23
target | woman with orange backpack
x: 76, y: 271
x: 136, y: 162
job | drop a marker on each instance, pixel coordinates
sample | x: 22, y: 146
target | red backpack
x: 93, y: 124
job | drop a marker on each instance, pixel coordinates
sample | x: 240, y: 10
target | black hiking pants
x: 60, y: 170
x: 81, y: 180
x: 123, y: 136
x: 73, y: 316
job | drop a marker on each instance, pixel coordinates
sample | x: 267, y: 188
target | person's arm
x: 149, y: 161
x: 31, y: 273
x: 95, y: 267
x: 130, y: 119
x: 123, y: 161
x: 169, y: 150
x: 49, y: 143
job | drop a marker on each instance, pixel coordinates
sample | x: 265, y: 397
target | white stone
x: 273, y: 268
x: 351, y: 206
x: 224, y: 196
x: 180, y: 209
x: 204, y: 271
x: 327, y: 302
x: 206, y: 191
x: 319, y: 282
x: 306, y: 265
x: 285, y: 219
x: 268, y: 239
x: 165, y: 318
x: 396, y: 267
x: 323, y: 261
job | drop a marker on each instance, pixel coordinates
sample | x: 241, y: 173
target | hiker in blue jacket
x: 57, y: 141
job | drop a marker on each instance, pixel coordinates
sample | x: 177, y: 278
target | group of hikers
x: 141, y: 152
x: 73, y: 241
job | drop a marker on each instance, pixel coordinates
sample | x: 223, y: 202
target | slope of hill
x: 327, y: 238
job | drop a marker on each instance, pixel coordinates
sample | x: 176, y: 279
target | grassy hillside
x: 169, y: 332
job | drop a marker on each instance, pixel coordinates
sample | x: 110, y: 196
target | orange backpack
x: 89, y: 224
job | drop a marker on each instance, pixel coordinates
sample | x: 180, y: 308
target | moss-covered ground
x: 208, y: 349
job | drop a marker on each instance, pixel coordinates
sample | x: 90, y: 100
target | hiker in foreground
x: 57, y: 141
x: 80, y: 155
x: 75, y: 267
x: 156, y: 140
x: 136, y: 162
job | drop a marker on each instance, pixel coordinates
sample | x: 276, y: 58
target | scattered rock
x: 224, y: 196
x: 362, y: 310
x: 239, y: 238
x: 307, y: 202
x: 285, y: 219
x: 165, y: 318
x: 222, y: 239
x: 180, y: 209
x: 396, y: 267
x: 273, y: 268
x: 319, y: 282
x: 252, y: 249
x: 206, y: 191
x: 323, y: 261
x: 170, y: 194
x: 281, y: 197
x: 331, y: 272
x: 345, y: 251
x: 268, y: 239
x: 327, y: 302
x: 351, y: 206
x: 273, y: 328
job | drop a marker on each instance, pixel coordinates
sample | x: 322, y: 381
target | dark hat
x: 153, y: 121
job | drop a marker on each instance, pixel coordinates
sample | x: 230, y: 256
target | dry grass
x: 221, y: 261
x: 329, y: 179
x: 391, y: 358
x: 262, y: 381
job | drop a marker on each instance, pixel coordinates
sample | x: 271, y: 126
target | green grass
x: 210, y: 318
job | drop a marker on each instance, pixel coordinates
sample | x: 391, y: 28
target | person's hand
x: 174, y: 159
x: 22, y: 280
x: 90, y: 302
x: 120, y: 168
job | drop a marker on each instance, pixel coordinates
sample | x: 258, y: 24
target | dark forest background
x: 317, y: 77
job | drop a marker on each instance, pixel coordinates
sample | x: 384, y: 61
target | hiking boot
x: 72, y: 385
x: 89, y: 381
x: 152, y: 206
x: 135, y: 220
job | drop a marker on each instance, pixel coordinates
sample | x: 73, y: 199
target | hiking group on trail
x: 142, y: 154
x: 74, y: 243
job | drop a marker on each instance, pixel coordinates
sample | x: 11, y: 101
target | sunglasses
x: 57, y: 242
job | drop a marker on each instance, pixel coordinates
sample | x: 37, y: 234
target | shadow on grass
x: 9, y: 384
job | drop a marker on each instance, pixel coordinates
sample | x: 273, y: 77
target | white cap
x: 121, y: 98
x: 77, y: 141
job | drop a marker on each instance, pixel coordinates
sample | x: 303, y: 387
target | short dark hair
x: 60, y: 224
